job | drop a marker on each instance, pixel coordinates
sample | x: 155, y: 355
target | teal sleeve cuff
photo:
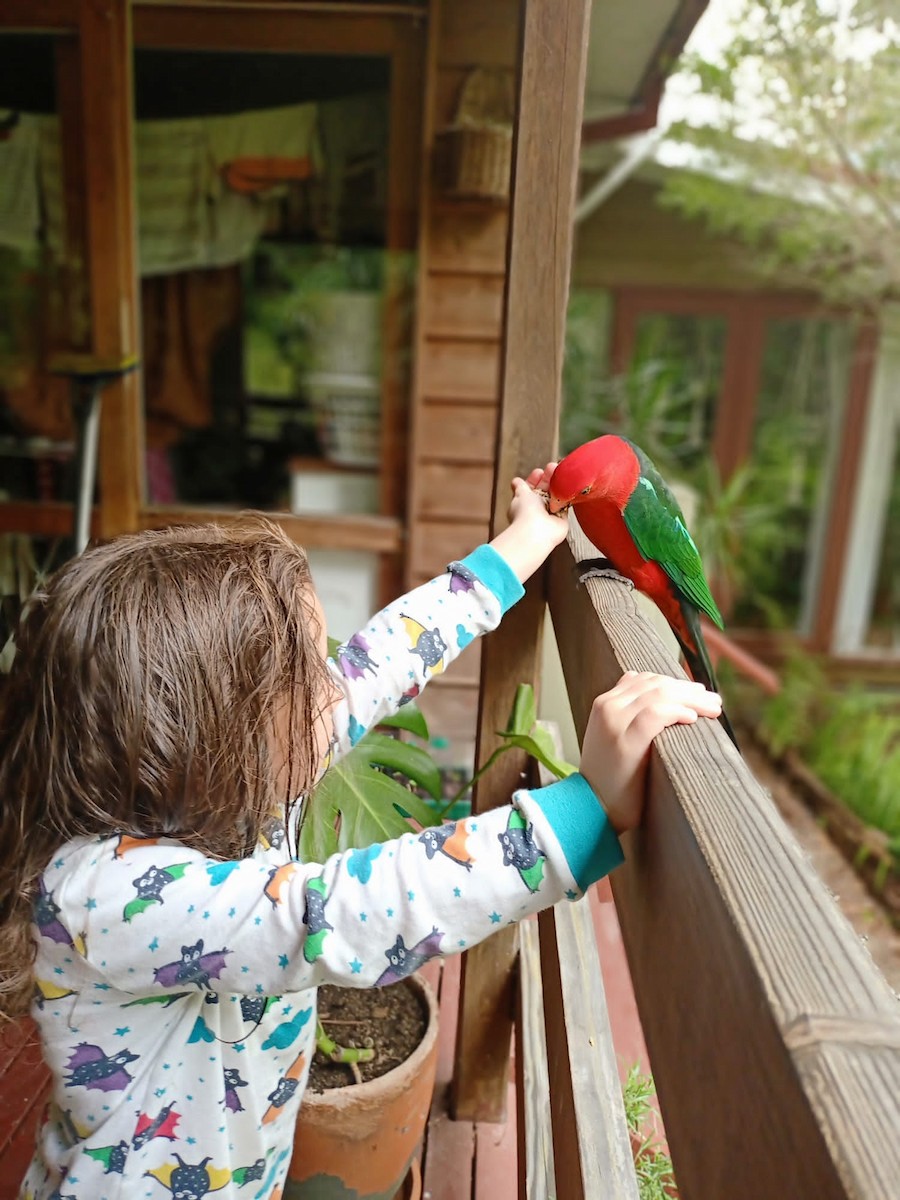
x: 495, y: 573
x: 582, y: 828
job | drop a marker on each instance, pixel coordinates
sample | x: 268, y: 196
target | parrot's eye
x: 584, y: 491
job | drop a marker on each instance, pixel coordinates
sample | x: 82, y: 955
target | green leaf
x: 414, y: 762
x: 524, y: 710
x: 355, y: 805
x: 525, y: 732
x: 539, y: 744
x: 410, y: 718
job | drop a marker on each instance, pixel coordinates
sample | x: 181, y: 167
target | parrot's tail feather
x: 700, y: 664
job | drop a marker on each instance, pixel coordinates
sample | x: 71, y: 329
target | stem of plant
x: 340, y: 1054
x: 471, y: 783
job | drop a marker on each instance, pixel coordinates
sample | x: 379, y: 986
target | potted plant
x: 360, y: 1136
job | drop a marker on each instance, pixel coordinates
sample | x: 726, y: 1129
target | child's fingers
x: 634, y: 686
x: 642, y: 705
x: 539, y: 477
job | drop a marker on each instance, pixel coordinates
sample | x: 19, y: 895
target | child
x: 169, y: 699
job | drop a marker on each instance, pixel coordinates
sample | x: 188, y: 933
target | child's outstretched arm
x: 365, y: 916
x: 395, y: 655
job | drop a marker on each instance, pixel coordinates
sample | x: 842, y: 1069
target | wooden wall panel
x: 436, y: 543
x: 472, y: 33
x: 458, y: 432
x: 467, y: 238
x: 465, y: 305
x: 448, y: 710
x: 455, y: 490
x: 461, y: 370
x: 462, y: 271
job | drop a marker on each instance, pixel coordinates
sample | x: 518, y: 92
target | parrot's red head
x: 604, y: 469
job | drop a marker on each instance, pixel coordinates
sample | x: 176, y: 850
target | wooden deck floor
x: 463, y: 1160
x: 24, y: 1087
x: 466, y: 1160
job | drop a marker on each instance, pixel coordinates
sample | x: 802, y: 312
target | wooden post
x: 554, y: 36
x: 105, y: 52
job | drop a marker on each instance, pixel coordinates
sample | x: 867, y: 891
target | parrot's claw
x: 600, y: 568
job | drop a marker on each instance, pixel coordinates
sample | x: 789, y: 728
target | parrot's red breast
x: 599, y: 479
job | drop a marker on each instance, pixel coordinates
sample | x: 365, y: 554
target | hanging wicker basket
x: 475, y: 152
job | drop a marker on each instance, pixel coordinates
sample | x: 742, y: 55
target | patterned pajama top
x: 176, y: 994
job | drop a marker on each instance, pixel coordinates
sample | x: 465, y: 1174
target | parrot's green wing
x: 654, y: 519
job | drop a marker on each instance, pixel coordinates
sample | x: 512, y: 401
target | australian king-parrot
x: 627, y: 510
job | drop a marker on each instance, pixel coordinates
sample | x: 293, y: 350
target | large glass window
x: 711, y: 386
x: 674, y: 385
x: 796, y: 436
x: 667, y: 399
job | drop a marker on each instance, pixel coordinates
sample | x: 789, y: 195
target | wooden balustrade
x: 774, y: 1041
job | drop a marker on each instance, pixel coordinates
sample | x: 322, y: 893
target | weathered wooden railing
x: 773, y: 1039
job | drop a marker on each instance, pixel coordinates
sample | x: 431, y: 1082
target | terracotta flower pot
x: 358, y: 1142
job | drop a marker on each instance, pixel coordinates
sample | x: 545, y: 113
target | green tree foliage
x: 800, y: 155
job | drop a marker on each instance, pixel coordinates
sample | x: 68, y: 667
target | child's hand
x: 623, y: 723
x: 533, y: 532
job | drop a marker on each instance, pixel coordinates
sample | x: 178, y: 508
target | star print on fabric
x: 411, y: 895
x: 457, y: 892
x: 495, y: 918
x: 363, y: 917
x: 356, y: 966
x: 90, y: 904
x: 283, y: 960
x: 154, y: 945
x: 123, y: 1030
x: 389, y: 912
x: 571, y: 894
